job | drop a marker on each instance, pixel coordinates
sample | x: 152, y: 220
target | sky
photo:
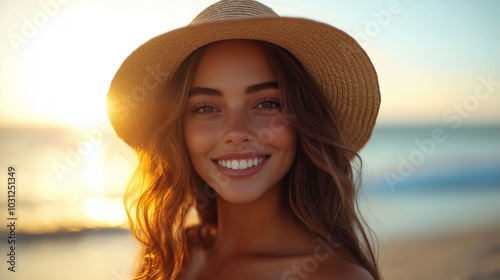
x: 437, y: 61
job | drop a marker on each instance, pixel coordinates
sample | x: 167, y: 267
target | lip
x: 245, y: 155
x: 240, y: 173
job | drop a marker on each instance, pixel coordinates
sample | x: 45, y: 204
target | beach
x: 472, y: 254
x: 438, y: 220
x: 89, y: 254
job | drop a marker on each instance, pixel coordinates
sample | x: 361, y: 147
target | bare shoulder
x: 338, y: 268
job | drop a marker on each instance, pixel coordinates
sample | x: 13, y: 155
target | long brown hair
x: 320, y: 186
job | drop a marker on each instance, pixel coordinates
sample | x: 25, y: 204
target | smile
x: 240, y: 164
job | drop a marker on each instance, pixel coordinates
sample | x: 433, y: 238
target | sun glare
x: 105, y: 212
x: 94, y: 174
x: 65, y: 76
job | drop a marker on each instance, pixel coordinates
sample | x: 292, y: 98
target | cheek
x: 198, y: 138
x: 286, y: 140
x: 278, y: 132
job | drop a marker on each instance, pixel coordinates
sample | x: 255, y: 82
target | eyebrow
x: 251, y: 89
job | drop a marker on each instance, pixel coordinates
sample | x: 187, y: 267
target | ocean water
x: 72, y: 179
x: 417, y: 181
x: 430, y: 180
x: 429, y: 159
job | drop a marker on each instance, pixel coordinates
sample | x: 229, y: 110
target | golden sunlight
x: 94, y: 174
x: 105, y: 212
x: 65, y: 76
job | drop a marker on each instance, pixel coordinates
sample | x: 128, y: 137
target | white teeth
x: 235, y: 164
x: 240, y: 164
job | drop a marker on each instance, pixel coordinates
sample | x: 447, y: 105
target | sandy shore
x: 472, y: 255
x: 108, y: 255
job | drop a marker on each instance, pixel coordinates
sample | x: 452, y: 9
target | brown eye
x: 268, y: 103
x: 204, y: 108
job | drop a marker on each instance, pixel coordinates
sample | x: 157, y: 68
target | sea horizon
x: 399, y: 162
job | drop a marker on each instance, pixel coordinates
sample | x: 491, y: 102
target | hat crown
x: 336, y: 62
x: 233, y: 9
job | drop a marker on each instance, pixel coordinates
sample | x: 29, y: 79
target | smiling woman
x: 253, y: 116
x: 56, y: 62
x: 235, y: 97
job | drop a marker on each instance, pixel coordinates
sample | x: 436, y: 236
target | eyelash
x: 204, y: 105
x: 274, y: 102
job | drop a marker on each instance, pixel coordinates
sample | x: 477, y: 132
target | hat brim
x: 335, y: 60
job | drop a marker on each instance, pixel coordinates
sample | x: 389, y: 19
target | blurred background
x: 431, y: 170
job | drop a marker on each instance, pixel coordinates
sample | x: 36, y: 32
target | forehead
x: 233, y: 60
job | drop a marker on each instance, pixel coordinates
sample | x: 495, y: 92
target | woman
x: 255, y: 121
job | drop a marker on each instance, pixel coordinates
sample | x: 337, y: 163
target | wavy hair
x: 321, y: 187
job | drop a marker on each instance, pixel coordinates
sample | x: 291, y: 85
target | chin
x: 240, y: 193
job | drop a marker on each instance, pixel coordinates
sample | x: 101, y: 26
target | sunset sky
x: 437, y: 60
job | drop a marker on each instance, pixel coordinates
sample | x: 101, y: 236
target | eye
x: 268, y: 103
x: 204, y: 108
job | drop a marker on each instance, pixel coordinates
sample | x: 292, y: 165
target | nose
x: 237, y: 129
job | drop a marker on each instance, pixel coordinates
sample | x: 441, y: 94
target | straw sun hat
x: 334, y: 59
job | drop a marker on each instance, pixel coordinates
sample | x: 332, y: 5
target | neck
x: 262, y: 227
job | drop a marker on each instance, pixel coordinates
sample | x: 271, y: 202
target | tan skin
x: 257, y: 235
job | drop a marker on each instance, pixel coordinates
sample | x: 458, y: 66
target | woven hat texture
x: 334, y: 59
